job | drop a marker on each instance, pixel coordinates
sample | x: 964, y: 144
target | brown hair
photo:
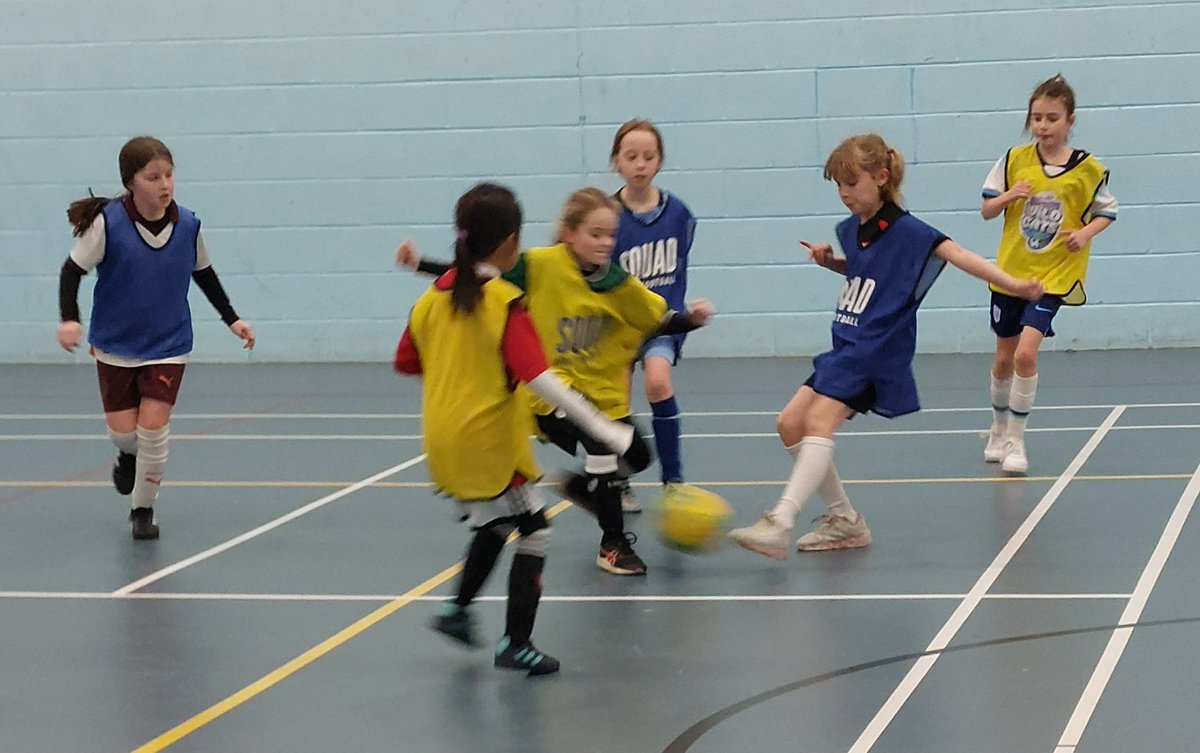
x: 136, y: 154
x: 637, y: 124
x: 579, y: 205
x: 867, y: 153
x: 485, y: 216
x: 1055, y: 87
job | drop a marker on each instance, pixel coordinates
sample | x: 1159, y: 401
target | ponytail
x: 83, y: 212
x: 468, y: 285
x: 485, y: 216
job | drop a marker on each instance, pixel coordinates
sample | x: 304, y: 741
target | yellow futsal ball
x: 693, y: 519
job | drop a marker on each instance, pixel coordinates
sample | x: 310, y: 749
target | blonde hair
x: 868, y: 153
x: 579, y: 205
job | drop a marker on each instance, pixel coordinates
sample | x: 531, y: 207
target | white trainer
x: 835, y: 532
x: 997, y: 444
x: 1015, y: 460
x: 765, y: 537
x: 629, y: 502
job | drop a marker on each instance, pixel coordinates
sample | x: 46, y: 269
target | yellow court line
x: 646, y: 484
x: 177, y: 733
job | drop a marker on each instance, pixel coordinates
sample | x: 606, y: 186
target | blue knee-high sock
x: 666, y: 438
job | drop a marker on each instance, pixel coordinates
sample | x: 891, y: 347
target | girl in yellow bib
x: 1054, y: 199
x: 592, y: 317
x: 472, y: 341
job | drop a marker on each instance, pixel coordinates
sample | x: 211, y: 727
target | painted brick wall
x: 311, y: 137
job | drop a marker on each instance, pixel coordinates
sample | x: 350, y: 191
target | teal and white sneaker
x: 765, y: 537
x: 457, y: 624
x: 525, y: 656
x: 836, y: 532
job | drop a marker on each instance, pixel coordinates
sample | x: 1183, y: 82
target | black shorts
x: 566, y: 436
x: 1010, y: 314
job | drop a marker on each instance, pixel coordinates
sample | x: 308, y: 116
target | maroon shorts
x: 123, y: 388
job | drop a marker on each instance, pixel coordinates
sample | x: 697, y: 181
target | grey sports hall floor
x: 285, y: 607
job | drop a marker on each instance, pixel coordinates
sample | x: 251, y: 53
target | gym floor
x: 285, y: 606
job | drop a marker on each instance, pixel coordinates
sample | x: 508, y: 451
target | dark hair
x: 637, y: 124
x: 1055, y: 87
x: 136, y: 154
x: 484, y: 217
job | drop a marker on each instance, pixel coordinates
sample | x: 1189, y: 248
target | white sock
x: 1001, y: 388
x: 598, y: 465
x: 1024, y: 390
x: 833, y: 494
x: 151, y: 459
x: 126, y: 441
x: 814, y: 456
x: 831, y: 491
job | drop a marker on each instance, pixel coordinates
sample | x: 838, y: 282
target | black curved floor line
x: 684, y: 742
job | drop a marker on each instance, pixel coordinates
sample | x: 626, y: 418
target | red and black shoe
x: 617, y: 556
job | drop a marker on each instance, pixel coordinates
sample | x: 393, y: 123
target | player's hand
x: 1019, y: 191
x: 700, y: 312
x: 1078, y: 239
x: 1030, y: 290
x: 407, y: 256
x: 821, y: 253
x: 243, y: 330
x: 70, y: 334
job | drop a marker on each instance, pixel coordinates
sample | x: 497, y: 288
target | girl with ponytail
x: 146, y: 249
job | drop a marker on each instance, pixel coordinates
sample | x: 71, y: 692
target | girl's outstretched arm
x: 408, y: 257
x: 822, y: 254
x: 977, y: 266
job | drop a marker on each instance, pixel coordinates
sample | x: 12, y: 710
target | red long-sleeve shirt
x: 524, y: 358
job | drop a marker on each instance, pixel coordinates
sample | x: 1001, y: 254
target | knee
x: 790, y: 426
x: 1002, y: 365
x: 534, y: 543
x: 152, y: 423
x: 153, y: 415
x: 1025, y: 362
x: 658, y: 386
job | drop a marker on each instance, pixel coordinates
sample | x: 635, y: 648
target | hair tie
x: 462, y: 235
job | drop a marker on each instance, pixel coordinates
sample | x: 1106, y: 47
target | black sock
x: 524, y: 592
x: 481, y: 558
x: 608, y: 506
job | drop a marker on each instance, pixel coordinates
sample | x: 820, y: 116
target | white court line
x: 393, y: 416
x: 1133, y: 612
x: 710, y: 435
x: 174, y: 596
x: 164, y: 572
x: 913, y: 678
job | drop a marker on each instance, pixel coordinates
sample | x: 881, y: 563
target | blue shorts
x: 663, y: 346
x: 887, y: 392
x: 1011, y: 314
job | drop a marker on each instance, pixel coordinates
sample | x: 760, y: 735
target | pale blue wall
x: 311, y: 136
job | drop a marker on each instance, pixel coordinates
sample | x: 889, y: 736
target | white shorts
x: 518, y: 500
